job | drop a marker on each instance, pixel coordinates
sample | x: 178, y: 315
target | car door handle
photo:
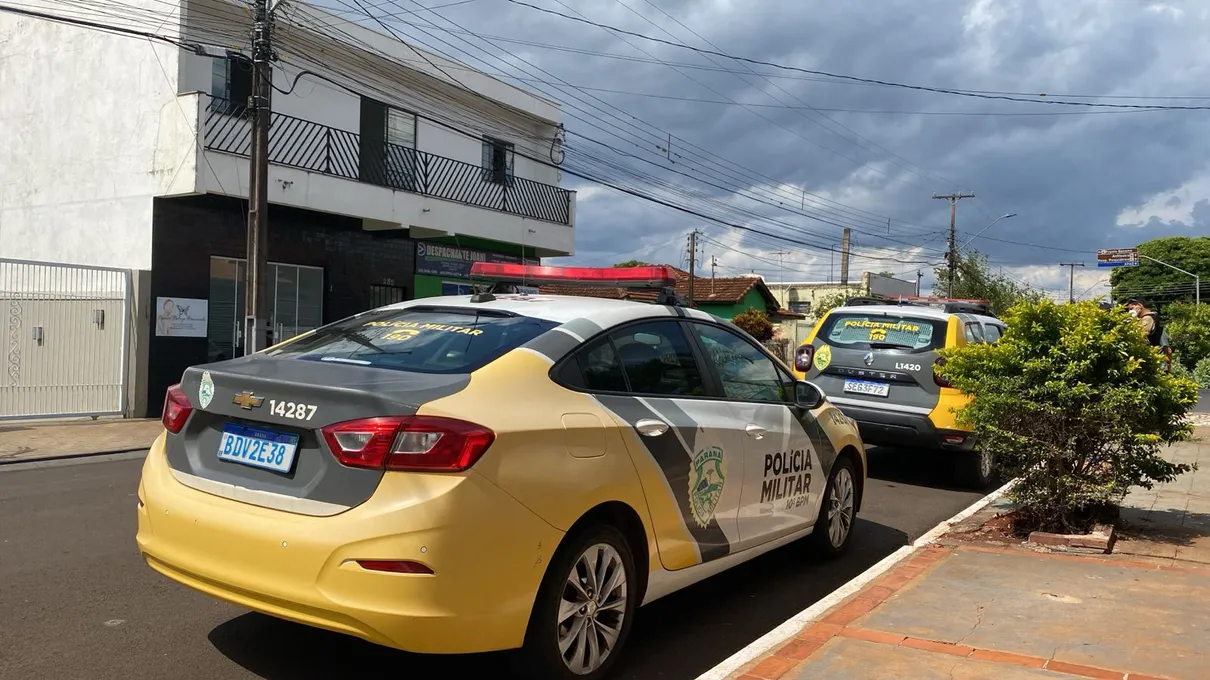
x: 755, y: 431
x: 650, y: 427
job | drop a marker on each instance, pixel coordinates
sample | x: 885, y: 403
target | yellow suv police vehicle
x: 876, y: 360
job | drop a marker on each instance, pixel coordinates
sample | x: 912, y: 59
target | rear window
x: 422, y: 340
x: 875, y: 331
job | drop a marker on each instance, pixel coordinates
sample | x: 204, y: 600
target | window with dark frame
x: 497, y: 161
x: 231, y: 84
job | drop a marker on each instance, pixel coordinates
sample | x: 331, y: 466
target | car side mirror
x: 807, y: 395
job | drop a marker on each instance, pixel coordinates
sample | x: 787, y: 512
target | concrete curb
x: 794, y: 624
x: 68, y: 456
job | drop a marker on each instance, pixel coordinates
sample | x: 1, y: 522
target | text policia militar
x: 787, y: 477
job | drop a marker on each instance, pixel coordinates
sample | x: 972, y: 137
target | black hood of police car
x: 290, y: 400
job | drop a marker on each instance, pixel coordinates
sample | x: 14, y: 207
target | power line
x: 838, y: 76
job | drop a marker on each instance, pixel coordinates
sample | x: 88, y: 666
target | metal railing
x: 67, y: 341
x: 307, y: 145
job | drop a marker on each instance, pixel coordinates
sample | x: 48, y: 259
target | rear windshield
x: 423, y: 340
x: 875, y: 331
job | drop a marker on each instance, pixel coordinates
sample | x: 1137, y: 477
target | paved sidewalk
x: 967, y: 610
x: 1010, y: 614
x: 29, y: 441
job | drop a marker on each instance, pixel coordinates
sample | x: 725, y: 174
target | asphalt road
x: 76, y: 601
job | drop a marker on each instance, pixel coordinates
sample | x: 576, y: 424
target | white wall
x: 426, y: 216
x: 402, y: 79
x: 90, y: 130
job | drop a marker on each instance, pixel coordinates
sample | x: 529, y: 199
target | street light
x: 1002, y: 217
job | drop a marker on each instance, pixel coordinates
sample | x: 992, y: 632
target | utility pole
x: 713, y: 264
x: 692, y: 262
x: 951, y: 254
x: 256, y: 285
x: 844, y: 257
x: 919, y: 276
x: 1071, y: 279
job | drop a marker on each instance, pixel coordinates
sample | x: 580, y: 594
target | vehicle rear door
x: 783, y: 482
x: 879, y: 358
x: 687, y: 443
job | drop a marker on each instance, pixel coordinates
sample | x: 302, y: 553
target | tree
x: 632, y: 263
x: 1188, y: 327
x: 826, y: 303
x: 1162, y: 285
x: 756, y: 323
x: 974, y: 279
x: 1075, y: 404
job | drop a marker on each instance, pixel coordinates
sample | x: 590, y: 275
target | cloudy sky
x: 1078, y: 178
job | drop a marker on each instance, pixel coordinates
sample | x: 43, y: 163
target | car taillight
x: 802, y: 358
x: 176, y: 409
x: 411, y: 443
x: 941, y: 382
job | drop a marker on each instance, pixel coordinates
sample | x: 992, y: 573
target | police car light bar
x: 613, y: 277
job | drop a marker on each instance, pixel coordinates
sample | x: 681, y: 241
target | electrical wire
x: 870, y: 81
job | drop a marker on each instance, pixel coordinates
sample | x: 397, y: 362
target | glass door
x: 295, y: 304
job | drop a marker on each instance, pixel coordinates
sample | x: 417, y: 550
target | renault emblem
x: 868, y: 358
x: 247, y: 400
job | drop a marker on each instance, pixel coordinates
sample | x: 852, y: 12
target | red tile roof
x: 728, y: 290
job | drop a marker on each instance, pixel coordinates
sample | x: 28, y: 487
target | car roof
x: 560, y: 308
x: 910, y: 311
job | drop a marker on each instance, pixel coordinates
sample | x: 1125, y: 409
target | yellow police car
x: 876, y: 359
x: 492, y: 472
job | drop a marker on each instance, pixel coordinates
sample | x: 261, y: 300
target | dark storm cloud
x: 1069, y: 177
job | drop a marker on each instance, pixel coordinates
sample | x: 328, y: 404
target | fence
x: 307, y: 145
x: 66, y: 349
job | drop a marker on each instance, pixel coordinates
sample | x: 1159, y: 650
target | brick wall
x: 188, y: 231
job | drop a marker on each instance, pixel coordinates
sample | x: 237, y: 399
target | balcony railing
x: 306, y: 145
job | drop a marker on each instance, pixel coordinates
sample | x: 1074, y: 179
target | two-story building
x: 392, y: 168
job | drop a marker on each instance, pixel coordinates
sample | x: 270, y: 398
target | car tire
x: 603, y: 615
x: 837, y: 511
x: 975, y: 469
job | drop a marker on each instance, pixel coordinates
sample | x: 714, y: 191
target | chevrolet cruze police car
x: 493, y: 472
x: 876, y: 359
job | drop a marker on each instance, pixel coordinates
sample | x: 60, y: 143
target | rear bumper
x: 488, y: 554
x: 912, y: 430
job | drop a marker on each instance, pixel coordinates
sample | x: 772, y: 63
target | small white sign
x: 180, y: 317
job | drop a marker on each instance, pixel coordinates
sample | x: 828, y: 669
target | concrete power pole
x: 844, y: 257
x: 692, y: 262
x: 256, y: 285
x: 713, y: 264
x: 919, y: 276
x: 1071, y: 279
x: 951, y: 254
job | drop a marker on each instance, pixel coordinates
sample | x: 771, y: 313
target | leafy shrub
x: 1188, y: 326
x: 755, y: 323
x: 1076, y: 405
x: 1201, y: 373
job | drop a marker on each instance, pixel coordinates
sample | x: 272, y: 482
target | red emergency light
x: 613, y: 277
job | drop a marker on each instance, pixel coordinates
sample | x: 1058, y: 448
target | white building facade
x: 391, y: 169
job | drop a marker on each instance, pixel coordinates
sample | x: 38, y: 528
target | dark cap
x: 1137, y: 301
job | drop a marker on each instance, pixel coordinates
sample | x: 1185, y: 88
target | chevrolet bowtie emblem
x: 247, y: 400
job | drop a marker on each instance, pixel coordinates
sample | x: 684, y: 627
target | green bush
x: 1188, y: 326
x: 1201, y: 374
x: 755, y: 323
x: 1076, y: 405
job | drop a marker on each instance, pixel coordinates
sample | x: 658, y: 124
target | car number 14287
x: 290, y: 409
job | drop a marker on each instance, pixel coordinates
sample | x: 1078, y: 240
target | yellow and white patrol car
x: 492, y: 472
x: 876, y: 360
